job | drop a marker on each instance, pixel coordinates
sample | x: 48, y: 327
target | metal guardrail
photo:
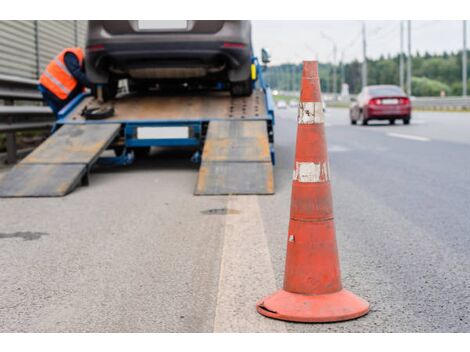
x: 428, y: 103
x: 457, y: 103
x: 16, y: 118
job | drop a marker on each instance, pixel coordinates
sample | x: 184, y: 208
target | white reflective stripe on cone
x: 307, y: 172
x: 311, y: 113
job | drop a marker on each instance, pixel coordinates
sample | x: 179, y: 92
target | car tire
x: 391, y: 121
x: 353, y: 122
x: 364, y: 121
x: 241, y: 89
x: 406, y: 120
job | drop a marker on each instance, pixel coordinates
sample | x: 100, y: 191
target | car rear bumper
x: 123, y: 55
x: 118, y: 47
x: 387, y: 112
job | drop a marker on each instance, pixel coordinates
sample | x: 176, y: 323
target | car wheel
x: 406, y: 120
x: 241, y: 89
x: 353, y: 122
x: 391, y: 121
x: 364, y: 121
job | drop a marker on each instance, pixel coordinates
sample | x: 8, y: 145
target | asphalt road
x: 136, y: 251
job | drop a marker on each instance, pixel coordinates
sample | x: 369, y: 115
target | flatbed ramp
x: 59, y: 164
x: 236, y: 159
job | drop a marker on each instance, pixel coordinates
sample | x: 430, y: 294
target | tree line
x: 431, y: 74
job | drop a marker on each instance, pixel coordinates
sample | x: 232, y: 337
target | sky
x: 294, y: 41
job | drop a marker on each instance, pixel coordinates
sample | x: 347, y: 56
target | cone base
x: 338, y: 306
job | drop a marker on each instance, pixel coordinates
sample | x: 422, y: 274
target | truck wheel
x: 241, y: 89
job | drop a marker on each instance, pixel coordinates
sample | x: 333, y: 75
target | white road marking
x: 407, y: 136
x: 334, y: 148
x: 246, y: 273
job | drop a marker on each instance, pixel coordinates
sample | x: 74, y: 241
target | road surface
x: 137, y: 252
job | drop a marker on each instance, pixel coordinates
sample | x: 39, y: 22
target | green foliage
x: 430, y: 73
x: 422, y: 86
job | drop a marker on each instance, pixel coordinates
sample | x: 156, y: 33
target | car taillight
x: 375, y: 101
x: 404, y: 101
x: 233, y: 45
x: 95, y: 47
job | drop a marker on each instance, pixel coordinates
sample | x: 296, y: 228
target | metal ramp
x: 236, y: 159
x: 59, y: 164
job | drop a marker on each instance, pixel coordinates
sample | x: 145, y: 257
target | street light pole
x: 342, y: 70
x: 335, y: 48
x: 402, y: 62
x: 364, y: 52
x: 335, y: 88
x: 409, y: 60
x: 464, y: 60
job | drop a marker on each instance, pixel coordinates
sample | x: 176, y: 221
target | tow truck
x: 232, y: 136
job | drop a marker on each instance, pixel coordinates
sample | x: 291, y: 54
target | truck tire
x: 241, y: 89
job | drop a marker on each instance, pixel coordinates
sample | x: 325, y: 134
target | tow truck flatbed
x: 242, y: 164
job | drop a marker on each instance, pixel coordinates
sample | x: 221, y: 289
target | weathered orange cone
x: 312, y: 283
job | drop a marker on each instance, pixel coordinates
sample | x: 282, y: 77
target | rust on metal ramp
x: 236, y: 159
x: 74, y: 144
x: 41, y: 180
x: 59, y: 164
x: 203, y: 106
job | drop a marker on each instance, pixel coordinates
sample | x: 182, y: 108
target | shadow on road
x: 159, y: 159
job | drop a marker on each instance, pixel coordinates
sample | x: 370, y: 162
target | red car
x: 381, y: 102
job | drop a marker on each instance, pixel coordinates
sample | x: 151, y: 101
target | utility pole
x: 464, y: 60
x: 402, y: 61
x: 343, y: 78
x: 335, y: 83
x: 293, y: 78
x: 335, y: 49
x: 408, y: 83
x: 364, y: 52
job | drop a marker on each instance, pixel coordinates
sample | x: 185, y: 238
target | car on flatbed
x: 380, y: 102
x: 195, y: 53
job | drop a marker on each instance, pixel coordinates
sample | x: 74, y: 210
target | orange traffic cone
x: 312, y: 283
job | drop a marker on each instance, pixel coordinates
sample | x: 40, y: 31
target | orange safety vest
x: 57, y: 78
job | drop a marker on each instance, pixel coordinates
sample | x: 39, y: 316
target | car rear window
x: 385, y: 91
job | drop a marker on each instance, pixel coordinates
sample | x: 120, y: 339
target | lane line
x: 246, y: 272
x: 407, y: 136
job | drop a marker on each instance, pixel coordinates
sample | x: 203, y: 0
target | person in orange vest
x: 64, y: 78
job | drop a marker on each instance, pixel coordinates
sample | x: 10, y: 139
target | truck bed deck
x: 212, y: 106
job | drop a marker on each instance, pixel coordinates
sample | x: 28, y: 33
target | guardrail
x: 441, y: 103
x: 21, y: 117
